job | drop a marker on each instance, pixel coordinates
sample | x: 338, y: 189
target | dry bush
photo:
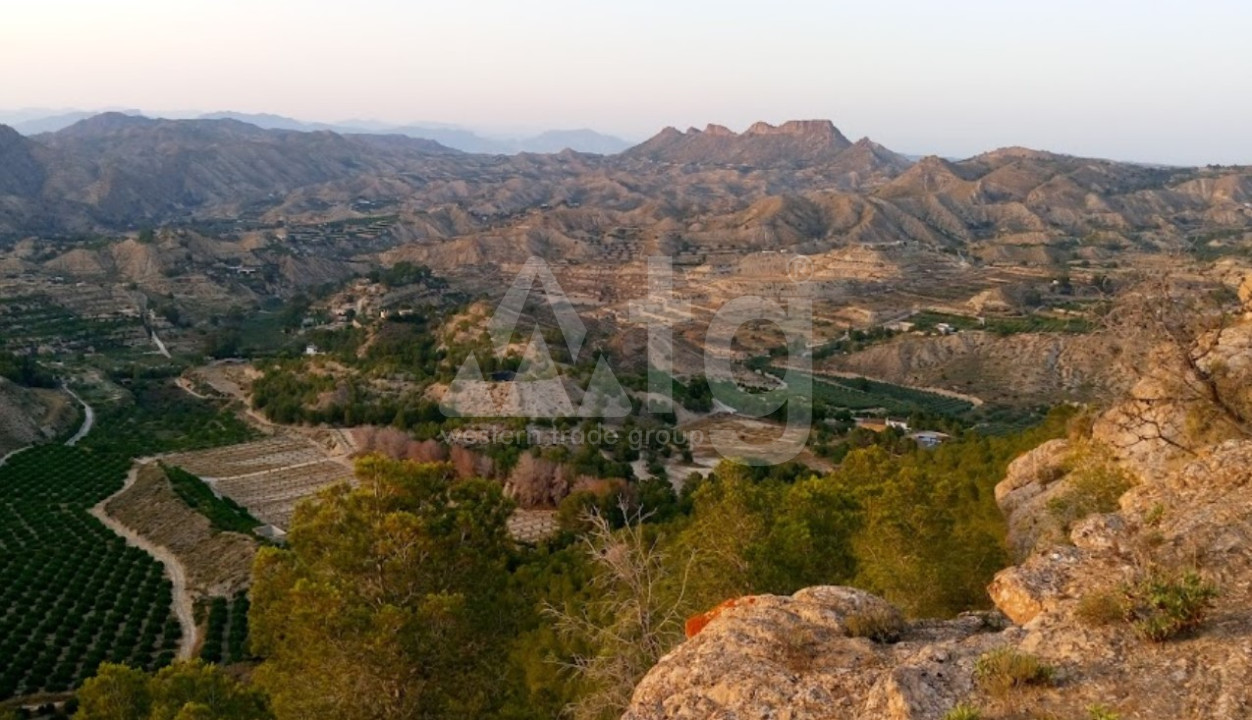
x: 1101, y: 608
x: 963, y: 712
x: 635, y: 618
x: 882, y: 625
x: 1005, y: 669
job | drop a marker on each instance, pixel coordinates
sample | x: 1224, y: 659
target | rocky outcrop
x: 794, y: 657
x: 798, y: 142
x: 29, y: 415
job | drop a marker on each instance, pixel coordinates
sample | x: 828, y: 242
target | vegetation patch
x: 1004, y: 670
x: 1162, y: 607
x: 1095, y: 486
x: 226, y: 637
x: 880, y: 624
x: 963, y: 712
x: 224, y: 514
x: 1101, y: 608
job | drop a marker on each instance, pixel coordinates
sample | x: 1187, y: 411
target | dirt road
x: 173, y: 568
x: 89, y: 419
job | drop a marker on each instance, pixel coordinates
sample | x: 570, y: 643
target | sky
x: 1151, y: 81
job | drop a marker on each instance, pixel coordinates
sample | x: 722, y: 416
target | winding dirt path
x: 5, y: 459
x: 173, y: 568
x: 89, y: 419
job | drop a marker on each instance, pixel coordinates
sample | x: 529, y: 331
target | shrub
x: 1095, y: 486
x: 1162, y: 607
x: 1100, y: 712
x: 963, y: 712
x: 1100, y: 608
x: 1006, y: 669
x: 880, y: 624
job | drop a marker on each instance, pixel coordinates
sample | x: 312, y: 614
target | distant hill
x: 117, y: 170
x: 452, y: 136
x: 552, y: 141
x: 588, y: 141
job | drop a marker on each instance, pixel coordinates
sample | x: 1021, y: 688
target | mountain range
x: 698, y: 195
x: 581, y: 140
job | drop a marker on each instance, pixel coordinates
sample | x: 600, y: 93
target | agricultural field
x: 40, y: 321
x: 72, y: 594
x: 268, y: 477
x: 226, y: 637
x: 1033, y: 323
x: 862, y: 395
x: 224, y: 515
x: 260, y: 456
x: 272, y: 496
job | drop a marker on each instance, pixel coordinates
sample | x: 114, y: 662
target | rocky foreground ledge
x: 1078, y: 605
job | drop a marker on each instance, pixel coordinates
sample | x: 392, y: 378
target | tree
x: 183, y: 691
x: 389, y: 600
x: 634, y: 614
x: 765, y: 534
x: 115, y: 693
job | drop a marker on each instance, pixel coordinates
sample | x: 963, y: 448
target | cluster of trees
x: 406, y: 273
x: 184, y: 691
x: 26, y: 370
x: 406, y: 598
x: 390, y: 600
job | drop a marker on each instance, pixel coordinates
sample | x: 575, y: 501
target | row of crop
x: 223, y: 513
x: 226, y: 638
x: 72, y: 594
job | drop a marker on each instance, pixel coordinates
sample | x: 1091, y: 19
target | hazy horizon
x: 1128, y: 81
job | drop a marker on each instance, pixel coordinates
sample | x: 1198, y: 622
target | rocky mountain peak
x: 807, y: 142
x: 814, y: 129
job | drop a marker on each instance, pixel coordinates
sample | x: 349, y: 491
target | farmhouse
x: 879, y: 425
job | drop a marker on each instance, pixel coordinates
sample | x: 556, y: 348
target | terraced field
x: 265, y: 455
x: 272, y: 496
x: 268, y: 477
x: 38, y: 319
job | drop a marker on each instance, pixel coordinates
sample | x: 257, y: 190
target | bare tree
x: 636, y: 616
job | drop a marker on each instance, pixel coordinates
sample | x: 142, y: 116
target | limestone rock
x: 1025, y: 591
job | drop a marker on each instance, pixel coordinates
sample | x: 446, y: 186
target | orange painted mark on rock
x: 696, y: 623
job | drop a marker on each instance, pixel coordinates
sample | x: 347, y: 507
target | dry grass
x: 880, y: 624
x: 1004, y: 670
x: 1101, y: 608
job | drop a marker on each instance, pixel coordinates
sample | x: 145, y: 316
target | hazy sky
x: 1144, y: 80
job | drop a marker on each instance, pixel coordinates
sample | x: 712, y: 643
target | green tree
x: 200, y: 690
x: 183, y: 691
x: 116, y: 692
x: 763, y: 534
x: 389, y: 600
